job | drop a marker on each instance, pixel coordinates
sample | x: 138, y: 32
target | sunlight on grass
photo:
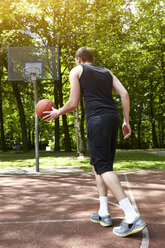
x: 138, y: 161
x: 139, y: 165
x: 123, y: 161
x: 15, y: 161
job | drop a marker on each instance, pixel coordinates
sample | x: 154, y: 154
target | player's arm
x: 119, y: 89
x: 74, y: 97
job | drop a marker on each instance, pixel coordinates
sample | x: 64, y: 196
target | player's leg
x: 101, y: 186
x: 99, y: 133
x: 103, y: 216
x: 132, y: 222
x: 113, y: 184
x: 102, y: 137
x: 112, y: 181
x: 110, y: 178
x: 103, y: 197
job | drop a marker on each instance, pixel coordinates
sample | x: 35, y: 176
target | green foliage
x: 51, y: 144
x: 126, y: 36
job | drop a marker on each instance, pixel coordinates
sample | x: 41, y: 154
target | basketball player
x: 96, y: 84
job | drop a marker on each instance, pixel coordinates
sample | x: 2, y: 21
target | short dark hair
x: 85, y: 54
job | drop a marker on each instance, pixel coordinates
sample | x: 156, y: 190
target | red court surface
x: 53, y: 211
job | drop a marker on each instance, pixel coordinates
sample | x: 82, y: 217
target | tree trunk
x: 57, y: 124
x: 154, y: 136
x: 79, y: 127
x: 22, y: 117
x: 79, y: 138
x: 133, y: 141
x: 139, y: 133
x: 162, y: 58
x: 82, y: 123
x: 120, y: 135
x: 67, y: 140
x: 33, y: 138
x: 162, y: 132
x: 3, y: 141
x: 139, y: 126
x: 29, y: 138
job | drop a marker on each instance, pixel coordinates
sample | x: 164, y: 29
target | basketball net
x: 31, y: 73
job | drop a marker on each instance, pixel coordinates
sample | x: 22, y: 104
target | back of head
x: 85, y: 54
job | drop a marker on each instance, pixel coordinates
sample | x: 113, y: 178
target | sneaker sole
x: 101, y: 223
x: 95, y: 221
x: 132, y: 232
x: 105, y: 225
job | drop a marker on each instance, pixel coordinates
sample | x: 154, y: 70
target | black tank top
x: 96, y: 87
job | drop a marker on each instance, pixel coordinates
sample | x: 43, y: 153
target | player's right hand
x: 51, y: 115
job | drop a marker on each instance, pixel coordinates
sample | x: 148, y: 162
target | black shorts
x: 102, y: 134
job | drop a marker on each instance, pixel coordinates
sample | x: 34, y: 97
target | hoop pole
x: 36, y: 126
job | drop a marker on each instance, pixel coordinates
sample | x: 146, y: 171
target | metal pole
x: 36, y: 126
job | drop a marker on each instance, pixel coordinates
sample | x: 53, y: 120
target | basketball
x: 44, y: 105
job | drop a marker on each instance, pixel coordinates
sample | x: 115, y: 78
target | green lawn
x: 138, y: 161
x: 131, y: 160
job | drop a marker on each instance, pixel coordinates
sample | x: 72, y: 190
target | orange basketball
x: 44, y: 105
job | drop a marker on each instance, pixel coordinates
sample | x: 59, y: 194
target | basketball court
x: 44, y: 211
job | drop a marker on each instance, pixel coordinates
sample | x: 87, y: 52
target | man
x: 96, y: 84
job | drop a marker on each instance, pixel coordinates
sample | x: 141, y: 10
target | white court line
x: 59, y: 221
x: 145, y: 233
x: 40, y: 221
x: 47, y: 221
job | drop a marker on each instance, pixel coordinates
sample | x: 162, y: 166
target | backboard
x: 44, y: 60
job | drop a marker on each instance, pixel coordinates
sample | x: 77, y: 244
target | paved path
x: 47, y: 170
x: 152, y: 151
x: 52, y: 211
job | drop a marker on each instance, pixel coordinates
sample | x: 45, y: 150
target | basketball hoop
x: 31, y: 63
x: 45, y: 58
x: 31, y: 73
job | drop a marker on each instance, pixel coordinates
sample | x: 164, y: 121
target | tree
x: 3, y: 140
x: 127, y: 37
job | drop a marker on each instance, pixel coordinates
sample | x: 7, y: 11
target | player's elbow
x: 74, y: 103
x: 125, y: 94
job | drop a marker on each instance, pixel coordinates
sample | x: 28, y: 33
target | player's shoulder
x: 101, y: 68
x: 104, y: 70
x: 76, y: 71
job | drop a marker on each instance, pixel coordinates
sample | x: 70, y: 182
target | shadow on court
x: 53, y: 211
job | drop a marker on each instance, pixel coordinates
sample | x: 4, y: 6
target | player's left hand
x: 126, y: 130
x: 51, y: 115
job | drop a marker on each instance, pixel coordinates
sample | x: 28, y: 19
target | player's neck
x: 89, y: 63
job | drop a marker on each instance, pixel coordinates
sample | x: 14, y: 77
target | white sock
x: 130, y: 213
x: 103, y: 211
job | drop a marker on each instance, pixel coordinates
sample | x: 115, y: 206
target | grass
x: 46, y: 159
x: 125, y: 160
x: 138, y: 161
